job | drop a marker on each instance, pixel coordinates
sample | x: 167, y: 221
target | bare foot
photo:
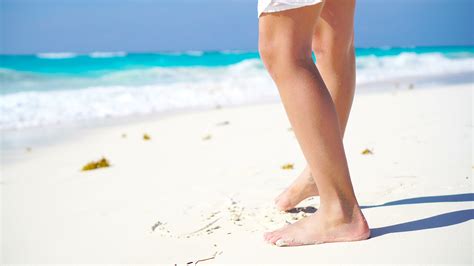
x: 302, y: 188
x: 321, y: 227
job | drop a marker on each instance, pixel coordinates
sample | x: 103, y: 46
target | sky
x: 83, y: 26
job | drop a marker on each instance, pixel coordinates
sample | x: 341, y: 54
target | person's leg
x: 285, y: 44
x: 333, y: 45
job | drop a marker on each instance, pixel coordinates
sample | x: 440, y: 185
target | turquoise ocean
x: 55, y: 88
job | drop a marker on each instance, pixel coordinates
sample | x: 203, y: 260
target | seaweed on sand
x: 96, y: 164
x: 367, y: 152
x: 207, y: 137
x: 223, y: 123
x: 146, y: 137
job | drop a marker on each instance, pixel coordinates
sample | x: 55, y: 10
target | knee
x: 331, y: 48
x: 278, y: 55
x: 268, y: 52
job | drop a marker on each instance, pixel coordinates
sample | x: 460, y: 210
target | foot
x: 321, y: 227
x: 302, y: 188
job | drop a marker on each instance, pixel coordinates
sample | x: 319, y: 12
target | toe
x: 275, y: 237
x: 282, y: 242
x: 267, y: 235
x: 270, y: 235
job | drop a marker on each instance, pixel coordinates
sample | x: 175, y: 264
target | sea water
x: 56, y: 88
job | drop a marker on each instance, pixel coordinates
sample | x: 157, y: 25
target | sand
x: 202, y: 187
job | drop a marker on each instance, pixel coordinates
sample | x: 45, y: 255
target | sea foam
x: 31, y: 99
x: 107, y: 54
x: 56, y: 55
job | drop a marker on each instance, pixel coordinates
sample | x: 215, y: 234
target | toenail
x: 281, y: 243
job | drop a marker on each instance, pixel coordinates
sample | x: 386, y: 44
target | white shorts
x: 267, y: 6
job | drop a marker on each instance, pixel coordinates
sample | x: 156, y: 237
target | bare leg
x: 285, y: 46
x: 333, y: 45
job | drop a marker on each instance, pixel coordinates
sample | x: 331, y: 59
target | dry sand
x: 203, y: 187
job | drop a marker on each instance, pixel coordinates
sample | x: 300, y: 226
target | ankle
x: 343, y: 211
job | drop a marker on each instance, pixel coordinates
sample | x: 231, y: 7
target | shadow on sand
x: 308, y: 209
x: 441, y: 220
x: 428, y: 199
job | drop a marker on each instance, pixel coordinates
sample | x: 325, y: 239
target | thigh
x: 288, y: 31
x: 335, y: 27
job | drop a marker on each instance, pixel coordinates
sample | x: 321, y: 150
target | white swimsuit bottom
x: 267, y: 6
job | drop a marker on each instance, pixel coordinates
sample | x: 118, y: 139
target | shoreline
x: 15, y: 141
x: 260, y: 90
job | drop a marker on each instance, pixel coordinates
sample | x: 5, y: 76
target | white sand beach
x: 203, y: 187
